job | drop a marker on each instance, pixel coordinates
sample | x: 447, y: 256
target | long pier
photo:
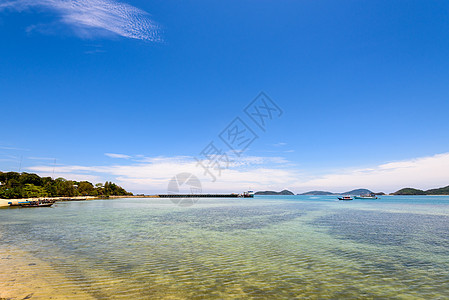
x: 200, y: 196
x: 15, y: 202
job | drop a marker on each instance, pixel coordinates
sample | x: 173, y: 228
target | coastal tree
x: 26, y: 178
x: 31, y: 191
x: 86, y: 188
x: 27, y: 185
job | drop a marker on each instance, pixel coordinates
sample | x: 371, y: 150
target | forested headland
x: 15, y: 185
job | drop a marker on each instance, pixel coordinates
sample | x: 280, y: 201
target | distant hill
x: 440, y: 191
x: 412, y: 191
x: 317, y: 193
x: 409, y: 191
x: 405, y: 191
x: 358, y: 192
x: 283, y: 193
x: 325, y: 193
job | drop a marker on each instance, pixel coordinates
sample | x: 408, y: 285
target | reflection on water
x: 223, y: 248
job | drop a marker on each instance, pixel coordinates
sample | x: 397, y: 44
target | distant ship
x: 248, y: 194
x: 345, y: 198
x: 370, y: 196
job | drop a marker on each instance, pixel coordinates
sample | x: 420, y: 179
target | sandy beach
x: 5, y: 202
x: 23, y: 276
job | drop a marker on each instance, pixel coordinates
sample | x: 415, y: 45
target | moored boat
x: 369, y: 197
x: 39, y: 205
x: 366, y: 197
x: 345, y: 198
x: 248, y: 194
x: 34, y: 203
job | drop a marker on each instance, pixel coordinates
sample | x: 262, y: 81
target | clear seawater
x: 263, y: 248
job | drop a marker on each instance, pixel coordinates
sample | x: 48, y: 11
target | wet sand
x: 23, y: 276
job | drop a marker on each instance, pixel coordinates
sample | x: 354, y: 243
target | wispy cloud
x: 423, y: 173
x: 77, y: 177
x: 7, y: 159
x: 95, y: 51
x: 151, y: 174
x: 13, y: 148
x: 280, y: 144
x: 90, y: 17
x: 40, y: 158
x: 115, y: 155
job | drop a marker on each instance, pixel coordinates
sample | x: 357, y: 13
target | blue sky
x: 363, y: 86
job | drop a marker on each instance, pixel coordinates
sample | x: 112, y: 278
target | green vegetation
x: 284, y: 193
x: 353, y: 192
x: 358, y: 192
x: 440, y: 191
x: 411, y: 191
x: 25, y: 185
x: 317, y: 193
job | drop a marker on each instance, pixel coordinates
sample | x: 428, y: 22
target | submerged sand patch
x: 23, y: 276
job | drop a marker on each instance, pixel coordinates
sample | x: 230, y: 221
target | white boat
x: 248, y: 194
x: 369, y: 197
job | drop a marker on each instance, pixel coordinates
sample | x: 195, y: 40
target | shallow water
x: 266, y: 247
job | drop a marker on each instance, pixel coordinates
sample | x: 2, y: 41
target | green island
x: 431, y: 192
x: 15, y: 185
x: 271, y: 193
x: 361, y: 191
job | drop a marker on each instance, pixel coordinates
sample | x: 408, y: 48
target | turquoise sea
x: 268, y: 247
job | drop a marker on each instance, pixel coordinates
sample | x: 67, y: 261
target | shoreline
x: 5, y: 202
x: 24, y: 276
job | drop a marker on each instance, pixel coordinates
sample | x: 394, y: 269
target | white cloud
x: 8, y: 159
x: 89, y: 17
x: 151, y: 175
x: 423, y: 173
x: 114, y: 155
x: 40, y: 158
x: 280, y: 144
x: 13, y: 148
x: 76, y: 177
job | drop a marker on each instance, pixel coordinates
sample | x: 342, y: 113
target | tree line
x: 412, y: 191
x: 15, y: 185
